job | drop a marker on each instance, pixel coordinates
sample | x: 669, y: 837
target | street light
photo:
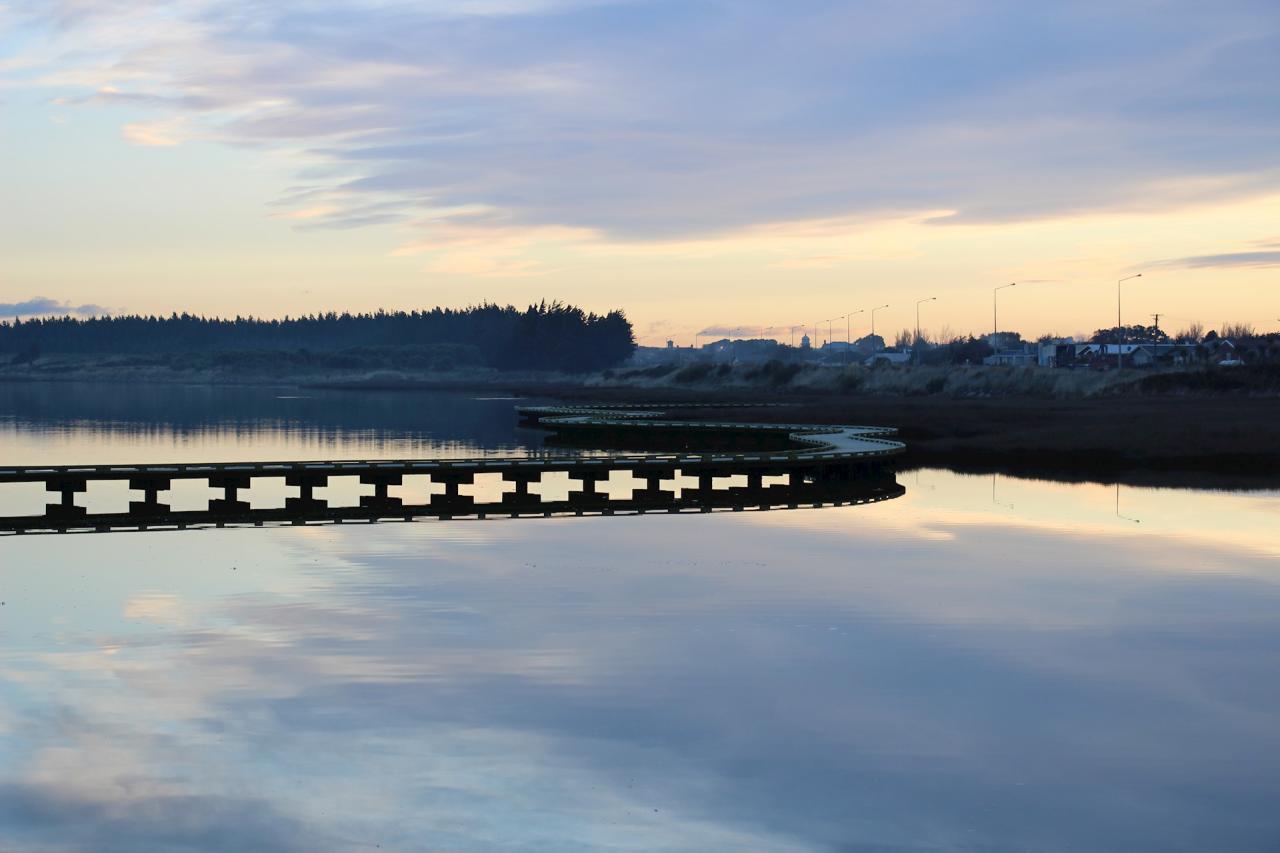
x: 1118, y: 515
x: 1119, y: 326
x: 848, y: 332
x: 873, y: 317
x: 916, y: 349
x: 995, y: 323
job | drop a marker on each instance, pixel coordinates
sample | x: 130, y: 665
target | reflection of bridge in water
x: 756, y: 467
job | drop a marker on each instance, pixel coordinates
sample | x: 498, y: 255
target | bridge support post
x: 67, y: 489
x: 230, y: 484
x: 150, y: 504
x: 521, y: 498
x: 653, y: 493
x: 753, y: 493
x: 306, y: 482
x: 452, y: 498
x: 380, y: 499
x: 588, y: 496
x: 707, y: 485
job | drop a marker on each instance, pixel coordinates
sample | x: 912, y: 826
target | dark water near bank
x: 983, y: 664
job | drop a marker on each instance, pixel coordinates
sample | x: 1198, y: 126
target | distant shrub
x: 653, y: 372
x: 1261, y: 378
x: 695, y: 372
x: 774, y: 373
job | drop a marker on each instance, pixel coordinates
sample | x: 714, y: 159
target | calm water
x: 983, y: 664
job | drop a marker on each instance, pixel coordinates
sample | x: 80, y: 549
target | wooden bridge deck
x: 821, y: 464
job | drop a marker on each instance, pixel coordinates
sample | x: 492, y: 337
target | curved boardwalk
x: 815, y: 441
x: 818, y: 464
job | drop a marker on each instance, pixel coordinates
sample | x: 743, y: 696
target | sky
x: 709, y: 166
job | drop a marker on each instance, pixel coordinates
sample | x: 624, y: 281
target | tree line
x: 545, y: 336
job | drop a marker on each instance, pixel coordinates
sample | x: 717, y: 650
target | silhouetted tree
x: 551, y: 336
x: 1129, y: 334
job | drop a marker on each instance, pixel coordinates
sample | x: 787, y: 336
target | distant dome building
x: 804, y: 342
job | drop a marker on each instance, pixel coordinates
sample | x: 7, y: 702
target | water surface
x: 983, y: 664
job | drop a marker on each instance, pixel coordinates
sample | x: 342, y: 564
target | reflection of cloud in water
x: 691, y: 682
x: 944, y: 501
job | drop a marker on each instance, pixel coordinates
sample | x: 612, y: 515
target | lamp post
x: 915, y: 350
x: 848, y: 333
x: 1119, y: 349
x: 995, y: 322
x: 873, y: 317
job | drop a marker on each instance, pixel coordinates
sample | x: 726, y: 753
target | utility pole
x: 1155, y: 338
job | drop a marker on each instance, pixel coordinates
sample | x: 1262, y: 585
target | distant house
x: 645, y: 356
x: 1223, y: 351
x: 1012, y: 358
x: 1105, y: 356
x: 1162, y: 355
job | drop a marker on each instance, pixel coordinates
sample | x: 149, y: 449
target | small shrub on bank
x: 1247, y: 379
x: 693, y: 372
x: 655, y: 372
x: 774, y: 373
x: 850, y: 381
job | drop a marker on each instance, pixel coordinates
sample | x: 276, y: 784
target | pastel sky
x: 706, y: 165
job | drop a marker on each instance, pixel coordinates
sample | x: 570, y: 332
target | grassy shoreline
x: 1118, y: 433
x: 1155, y: 440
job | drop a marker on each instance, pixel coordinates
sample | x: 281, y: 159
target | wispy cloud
x: 43, y: 306
x: 156, y: 134
x: 1226, y: 259
x: 650, y: 120
x: 736, y: 331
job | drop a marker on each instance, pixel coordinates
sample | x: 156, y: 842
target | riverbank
x: 392, y: 369
x: 1163, y: 428
x: 1214, y: 441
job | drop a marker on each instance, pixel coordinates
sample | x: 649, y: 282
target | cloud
x: 153, y: 823
x: 41, y: 305
x: 158, y: 134
x: 1224, y: 260
x: 735, y: 331
x: 651, y: 120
